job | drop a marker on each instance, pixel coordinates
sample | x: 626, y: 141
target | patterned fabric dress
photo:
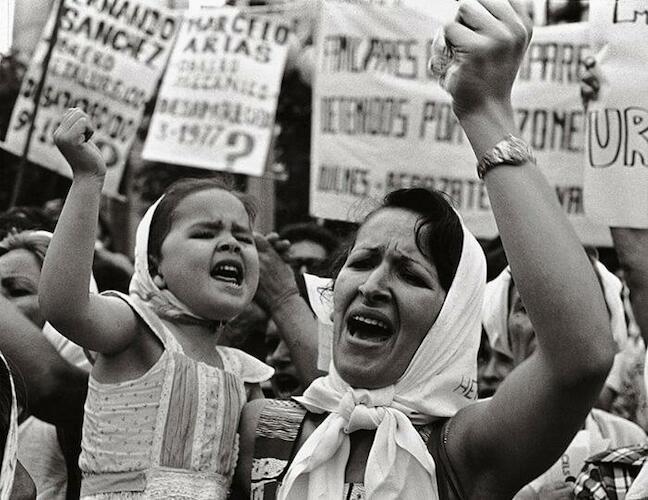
x: 171, y: 433
x: 278, y: 430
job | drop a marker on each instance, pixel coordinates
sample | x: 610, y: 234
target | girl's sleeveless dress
x: 171, y: 433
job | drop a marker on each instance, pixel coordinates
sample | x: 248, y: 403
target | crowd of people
x: 192, y: 372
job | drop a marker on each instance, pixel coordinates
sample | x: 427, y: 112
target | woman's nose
x: 374, y: 289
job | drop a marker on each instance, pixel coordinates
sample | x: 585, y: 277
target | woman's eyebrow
x: 402, y: 258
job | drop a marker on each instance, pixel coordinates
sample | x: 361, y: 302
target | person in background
x: 497, y: 357
x: 49, y: 452
x: 112, y: 270
x: 24, y: 218
x: 311, y: 247
x: 15, y: 482
x: 512, y: 340
x: 311, y: 250
x: 621, y: 472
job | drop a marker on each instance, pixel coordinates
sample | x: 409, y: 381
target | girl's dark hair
x: 438, y: 231
x: 164, y: 213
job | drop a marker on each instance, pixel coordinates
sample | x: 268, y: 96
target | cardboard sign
x: 381, y: 122
x: 616, y: 164
x: 6, y: 25
x: 107, y: 61
x: 217, y: 102
x: 320, y: 297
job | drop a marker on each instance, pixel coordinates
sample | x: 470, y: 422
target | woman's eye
x: 202, y: 235
x: 413, y: 278
x: 20, y: 292
x: 359, y: 263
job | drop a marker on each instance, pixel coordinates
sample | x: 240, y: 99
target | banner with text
x: 381, y: 122
x: 219, y: 95
x: 616, y: 163
x: 107, y: 61
x: 6, y: 26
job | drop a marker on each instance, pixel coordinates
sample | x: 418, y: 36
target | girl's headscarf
x: 163, y: 302
x: 8, y: 469
x: 440, y: 380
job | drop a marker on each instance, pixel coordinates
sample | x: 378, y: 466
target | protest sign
x: 107, y: 59
x: 219, y: 95
x: 381, y: 122
x: 6, y: 25
x: 320, y: 298
x: 551, y: 118
x: 616, y: 164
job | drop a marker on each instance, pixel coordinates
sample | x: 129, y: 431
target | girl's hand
x: 489, y: 39
x: 72, y: 137
x: 590, y: 82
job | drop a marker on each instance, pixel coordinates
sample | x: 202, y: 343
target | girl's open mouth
x: 229, y: 271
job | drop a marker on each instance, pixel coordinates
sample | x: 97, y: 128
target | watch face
x: 510, y: 151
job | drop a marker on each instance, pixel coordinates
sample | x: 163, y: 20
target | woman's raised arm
x: 542, y: 404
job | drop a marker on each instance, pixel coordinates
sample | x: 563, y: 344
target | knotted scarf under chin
x: 439, y: 381
x: 399, y: 465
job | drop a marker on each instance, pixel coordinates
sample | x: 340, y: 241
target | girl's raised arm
x: 542, y: 404
x: 103, y: 324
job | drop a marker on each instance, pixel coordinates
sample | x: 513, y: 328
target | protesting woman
x: 395, y: 417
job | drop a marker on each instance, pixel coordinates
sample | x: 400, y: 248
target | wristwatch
x: 511, y: 151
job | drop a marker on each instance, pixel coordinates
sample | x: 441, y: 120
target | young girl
x: 163, y: 401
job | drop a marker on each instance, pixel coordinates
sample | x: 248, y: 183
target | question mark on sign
x: 233, y: 140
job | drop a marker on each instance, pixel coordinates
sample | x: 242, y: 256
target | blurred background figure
x: 15, y: 482
x: 509, y: 339
x: 48, y: 453
x: 312, y: 248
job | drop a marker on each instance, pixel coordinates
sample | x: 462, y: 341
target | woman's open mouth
x: 228, y: 271
x: 369, y: 329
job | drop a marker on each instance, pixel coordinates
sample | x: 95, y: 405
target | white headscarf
x: 163, y: 302
x: 8, y: 469
x: 438, y: 382
x: 496, y: 309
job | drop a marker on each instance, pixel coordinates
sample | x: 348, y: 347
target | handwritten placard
x: 107, y: 60
x: 6, y: 25
x: 616, y: 164
x: 219, y: 95
x: 381, y: 122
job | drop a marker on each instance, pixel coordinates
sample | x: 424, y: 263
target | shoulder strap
x: 278, y: 430
x: 448, y: 484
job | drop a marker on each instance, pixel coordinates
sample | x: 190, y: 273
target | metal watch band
x: 511, y: 151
